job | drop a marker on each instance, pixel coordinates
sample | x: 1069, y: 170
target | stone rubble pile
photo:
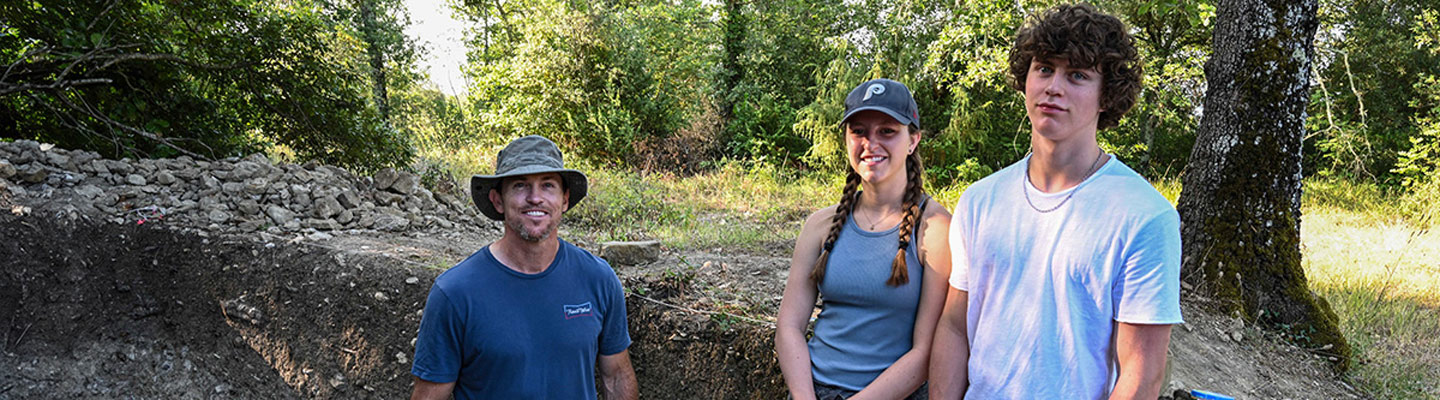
x: 232, y: 195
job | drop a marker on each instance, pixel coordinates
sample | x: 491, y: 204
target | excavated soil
x: 92, y: 309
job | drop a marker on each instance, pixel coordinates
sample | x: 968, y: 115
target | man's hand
x: 617, y: 376
x: 427, y: 390
x: 1140, y: 349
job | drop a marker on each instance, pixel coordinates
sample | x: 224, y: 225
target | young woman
x: 879, y: 260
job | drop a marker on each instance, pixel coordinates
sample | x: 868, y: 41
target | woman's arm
x: 911, y: 369
x: 797, y: 305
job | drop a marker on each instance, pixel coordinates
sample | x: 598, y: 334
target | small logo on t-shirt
x: 578, y: 310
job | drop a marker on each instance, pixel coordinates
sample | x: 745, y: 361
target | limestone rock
x: 345, y: 217
x: 33, y: 174
x: 348, y: 199
x: 233, y: 187
x: 165, y: 178
x: 6, y: 170
x: 630, y: 253
x: 387, y: 222
x: 256, y: 186
x: 326, y: 207
x: 248, y: 207
x: 279, y: 215
x: 119, y: 167
x: 405, y: 183
x: 322, y: 224
x: 388, y: 198
x: 58, y: 159
x: 89, y: 192
x: 246, y: 170
x: 385, y: 178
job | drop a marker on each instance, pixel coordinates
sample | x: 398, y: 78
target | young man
x: 1065, y: 273
x: 528, y: 316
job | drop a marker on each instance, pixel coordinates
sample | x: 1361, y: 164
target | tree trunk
x: 375, y: 49
x: 1240, y: 208
x: 734, y: 29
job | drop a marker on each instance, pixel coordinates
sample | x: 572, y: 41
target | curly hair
x: 1085, y: 38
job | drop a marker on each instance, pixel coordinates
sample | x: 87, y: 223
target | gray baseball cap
x: 525, y: 156
x: 883, y: 95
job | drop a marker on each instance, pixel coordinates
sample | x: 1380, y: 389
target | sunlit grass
x: 1372, y: 252
x: 733, y: 207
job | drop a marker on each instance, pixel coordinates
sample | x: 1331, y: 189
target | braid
x: 914, y: 191
x: 842, y: 212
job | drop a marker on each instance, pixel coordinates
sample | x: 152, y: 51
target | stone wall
x: 233, y: 195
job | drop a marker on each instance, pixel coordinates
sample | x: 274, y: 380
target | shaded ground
x: 99, y: 310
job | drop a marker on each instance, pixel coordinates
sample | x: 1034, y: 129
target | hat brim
x: 903, y: 120
x: 481, y: 185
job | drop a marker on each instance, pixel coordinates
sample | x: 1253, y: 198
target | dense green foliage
x: 205, y: 78
x: 678, y: 85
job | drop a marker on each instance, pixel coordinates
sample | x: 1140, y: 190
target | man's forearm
x: 617, y: 377
x: 426, y: 390
x: 621, y: 386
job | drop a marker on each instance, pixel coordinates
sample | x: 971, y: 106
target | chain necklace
x: 1025, y: 180
x: 874, y: 222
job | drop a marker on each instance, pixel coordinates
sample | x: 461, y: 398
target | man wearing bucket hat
x: 529, y: 316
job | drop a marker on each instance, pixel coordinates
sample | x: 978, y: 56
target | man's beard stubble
x: 519, y: 229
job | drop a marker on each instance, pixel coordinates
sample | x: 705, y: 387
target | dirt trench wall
x: 103, y: 310
x: 99, y: 310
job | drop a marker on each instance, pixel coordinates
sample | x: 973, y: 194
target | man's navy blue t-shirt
x: 503, y: 334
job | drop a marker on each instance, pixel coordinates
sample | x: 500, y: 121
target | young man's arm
x: 617, y: 376
x: 950, y: 354
x: 427, y: 390
x: 1140, y: 349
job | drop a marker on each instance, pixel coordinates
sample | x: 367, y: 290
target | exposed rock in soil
x: 630, y: 253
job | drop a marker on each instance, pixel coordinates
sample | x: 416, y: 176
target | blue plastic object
x: 1201, y: 394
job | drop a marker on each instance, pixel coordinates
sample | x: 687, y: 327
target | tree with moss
x: 1240, y: 209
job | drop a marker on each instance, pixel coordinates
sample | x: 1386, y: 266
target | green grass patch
x: 734, y: 207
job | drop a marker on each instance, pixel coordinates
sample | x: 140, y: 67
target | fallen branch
x: 117, y: 124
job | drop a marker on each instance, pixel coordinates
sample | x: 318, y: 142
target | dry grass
x: 1374, y: 253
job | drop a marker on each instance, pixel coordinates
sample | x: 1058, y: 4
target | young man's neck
x: 525, y: 256
x: 1057, y: 166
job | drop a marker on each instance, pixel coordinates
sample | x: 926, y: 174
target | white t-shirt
x: 1046, y: 289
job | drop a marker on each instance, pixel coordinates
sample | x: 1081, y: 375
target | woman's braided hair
x: 914, y: 194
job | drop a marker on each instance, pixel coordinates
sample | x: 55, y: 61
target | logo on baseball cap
x: 883, y: 95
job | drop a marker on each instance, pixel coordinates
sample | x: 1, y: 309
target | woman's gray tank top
x: 864, y: 324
